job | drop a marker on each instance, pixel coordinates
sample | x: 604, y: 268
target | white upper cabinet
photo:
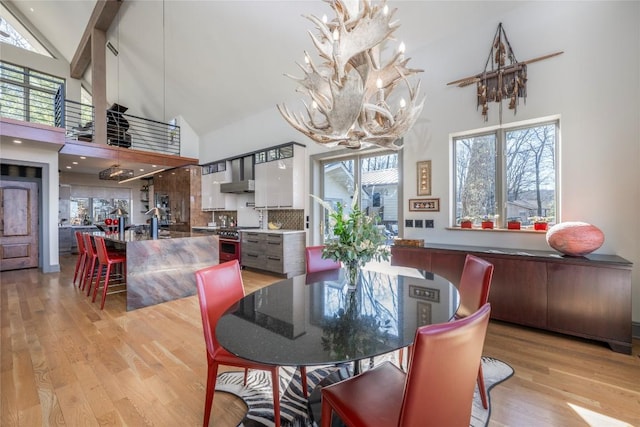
x: 280, y: 177
x: 212, y: 176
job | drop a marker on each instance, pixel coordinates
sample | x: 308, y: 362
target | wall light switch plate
x: 408, y: 223
x: 428, y: 223
x: 418, y: 223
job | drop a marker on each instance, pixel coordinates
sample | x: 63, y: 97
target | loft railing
x: 30, y: 96
x: 123, y: 130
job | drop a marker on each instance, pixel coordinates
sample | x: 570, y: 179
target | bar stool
x: 82, y: 255
x: 106, y: 260
x: 90, y: 262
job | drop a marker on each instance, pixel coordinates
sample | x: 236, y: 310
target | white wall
x: 594, y: 87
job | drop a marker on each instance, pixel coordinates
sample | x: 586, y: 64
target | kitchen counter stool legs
x: 105, y: 261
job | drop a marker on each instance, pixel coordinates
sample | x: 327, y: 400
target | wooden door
x: 18, y: 225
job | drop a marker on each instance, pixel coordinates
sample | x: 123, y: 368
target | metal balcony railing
x: 123, y: 130
x: 31, y: 96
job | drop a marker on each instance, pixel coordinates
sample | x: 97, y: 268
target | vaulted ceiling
x: 216, y: 62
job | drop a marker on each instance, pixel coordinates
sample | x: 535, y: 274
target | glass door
x: 376, y: 176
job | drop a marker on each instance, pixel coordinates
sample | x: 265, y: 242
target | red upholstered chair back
x: 442, y: 375
x: 474, y: 285
x: 315, y: 262
x: 80, y: 241
x: 101, y: 250
x: 219, y: 287
x: 91, y: 252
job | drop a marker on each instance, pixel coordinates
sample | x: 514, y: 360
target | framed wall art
x: 424, y: 178
x: 424, y: 205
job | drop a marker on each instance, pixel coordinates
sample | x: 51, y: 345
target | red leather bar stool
x: 91, y: 261
x: 106, y: 260
x: 82, y: 255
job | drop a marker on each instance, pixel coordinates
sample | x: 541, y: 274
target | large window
x: 27, y: 95
x: 376, y: 177
x: 507, y: 174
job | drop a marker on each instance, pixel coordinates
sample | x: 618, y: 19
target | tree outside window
x: 519, y: 184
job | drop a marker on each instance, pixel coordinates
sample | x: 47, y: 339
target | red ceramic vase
x: 513, y: 225
x: 466, y: 224
x: 487, y: 224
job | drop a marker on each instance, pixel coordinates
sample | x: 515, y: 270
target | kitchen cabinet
x: 280, y: 177
x: 65, y: 237
x: 588, y: 297
x: 212, y: 198
x: 280, y: 252
x: 67, y: 242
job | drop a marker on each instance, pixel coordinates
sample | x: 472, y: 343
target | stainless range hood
x: 246, y: 186
x: 241, y: 177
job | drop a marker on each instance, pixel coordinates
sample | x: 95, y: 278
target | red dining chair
x: 219, y: 287
x: 474, y: 286
x: 80, y: 262
x: 315, y: 262
x: 106, y: 260
x: 437, y: 390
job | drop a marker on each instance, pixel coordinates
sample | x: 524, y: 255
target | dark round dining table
x: 316, y: 319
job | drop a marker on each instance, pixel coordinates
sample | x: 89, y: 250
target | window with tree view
x: 509, y: 174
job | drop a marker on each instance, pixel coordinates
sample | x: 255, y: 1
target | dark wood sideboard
x: 587, y: 297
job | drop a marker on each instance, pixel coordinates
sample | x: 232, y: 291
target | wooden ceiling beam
x: 102, y: 16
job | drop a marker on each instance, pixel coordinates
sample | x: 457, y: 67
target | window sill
x: 500, y: 230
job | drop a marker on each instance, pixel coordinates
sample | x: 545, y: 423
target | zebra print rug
x: 293, y: 406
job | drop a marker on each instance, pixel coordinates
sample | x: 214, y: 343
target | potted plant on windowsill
x: 540, y: 223
x: 466, y: 222
x: 487, y: 221
x: 513, y: 223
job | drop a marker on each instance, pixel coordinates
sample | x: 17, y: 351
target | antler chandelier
x: 353, y: 102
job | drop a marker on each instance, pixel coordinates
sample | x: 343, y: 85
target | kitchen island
x: 163, y: 269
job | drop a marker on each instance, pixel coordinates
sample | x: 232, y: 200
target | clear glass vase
x: 353, y: 270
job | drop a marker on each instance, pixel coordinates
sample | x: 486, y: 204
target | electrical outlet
x: 428, y: 223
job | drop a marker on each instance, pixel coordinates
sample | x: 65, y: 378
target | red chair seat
x: 386, y: 378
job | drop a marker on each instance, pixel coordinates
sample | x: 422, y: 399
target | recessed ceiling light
x: 17, y: 141
x: 141, y: 170
x: 68, y: 167
x: 32, y: 9
x: 154, y: 166
x: 83, y: 157
x: 75, y: 163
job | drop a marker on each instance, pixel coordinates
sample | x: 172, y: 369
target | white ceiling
x: 216, y: 62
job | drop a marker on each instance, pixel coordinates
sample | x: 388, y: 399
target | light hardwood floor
x: 65, y: 362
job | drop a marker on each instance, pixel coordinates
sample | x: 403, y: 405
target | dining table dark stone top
x: 316, y: 319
